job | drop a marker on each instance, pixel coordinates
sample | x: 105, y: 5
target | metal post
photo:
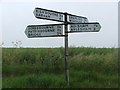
x: 66, y: 50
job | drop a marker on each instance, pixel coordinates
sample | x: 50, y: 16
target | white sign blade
x: 85, y: 27
x: 44, y: 30
x: 48, y: 14
x: 77, y: 19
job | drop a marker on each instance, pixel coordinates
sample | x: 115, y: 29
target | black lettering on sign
x: 50, y: 30
x: 48, y: 13
x: 39, y: 34
x: 29, y: 35
x: 44, y: 16
x: 40, y: 11
x: 95, y: 25
x: 41, y: 15
x: 36, y: 10
x: 80, y: 29
x: 89, y: 29
x: 45, y: 12
x: 84, y: 25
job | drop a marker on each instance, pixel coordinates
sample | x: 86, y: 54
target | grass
x: 44, y: 68
x: 35, y: 81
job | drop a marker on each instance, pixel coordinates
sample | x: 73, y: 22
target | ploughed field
x: 44, y: 67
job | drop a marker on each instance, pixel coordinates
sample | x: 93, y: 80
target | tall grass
x: 44, y: 67
x: 35, y: 81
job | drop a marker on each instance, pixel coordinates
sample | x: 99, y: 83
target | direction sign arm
x: 76, y: 15
x: 49, y: 10
x: 84, y: 27
x: 41, y: 13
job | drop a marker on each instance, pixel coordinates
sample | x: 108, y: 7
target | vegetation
x: 44, y: 68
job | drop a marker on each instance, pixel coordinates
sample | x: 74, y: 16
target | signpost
x: 77, y: 24
x: 51, y: 30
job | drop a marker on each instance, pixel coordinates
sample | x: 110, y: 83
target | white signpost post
x: 77, y: 24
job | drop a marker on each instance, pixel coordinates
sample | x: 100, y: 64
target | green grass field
x: 44, y: 68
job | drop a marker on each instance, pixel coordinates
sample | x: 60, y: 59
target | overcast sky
x: 16, y: 16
